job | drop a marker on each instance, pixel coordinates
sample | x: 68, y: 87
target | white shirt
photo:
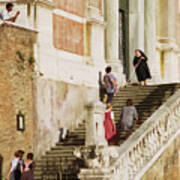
x: 14, y: 163
x: 6, y: 15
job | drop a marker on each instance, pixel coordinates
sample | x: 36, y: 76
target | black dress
x: 142, y: 70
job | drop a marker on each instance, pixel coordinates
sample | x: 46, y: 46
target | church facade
x: 74, y: 40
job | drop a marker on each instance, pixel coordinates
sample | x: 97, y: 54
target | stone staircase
x: 60, y: 163
x: 146, y: 99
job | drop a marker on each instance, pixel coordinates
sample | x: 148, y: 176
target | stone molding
x: 144, y: 146
x: 167, y: 44
x: 100, y: 22
x: 46, y: 3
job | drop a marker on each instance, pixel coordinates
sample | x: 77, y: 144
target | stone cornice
x: 16, y: 1
x: 47, y: 3
x: 167, y: 45
x: 96, y: 21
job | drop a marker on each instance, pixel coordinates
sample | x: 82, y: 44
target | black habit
x: 142, y: 69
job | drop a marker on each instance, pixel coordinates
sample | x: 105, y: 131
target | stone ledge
x: 10, y: 24
x: 96, y: 21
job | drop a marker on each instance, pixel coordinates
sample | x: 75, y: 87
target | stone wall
x: 58, y: 104
x: 16, y: 87
x: 167, y: 167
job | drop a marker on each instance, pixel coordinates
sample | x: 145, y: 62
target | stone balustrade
x: 144, y: 146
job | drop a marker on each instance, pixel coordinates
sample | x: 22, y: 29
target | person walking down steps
x: 141, y: 67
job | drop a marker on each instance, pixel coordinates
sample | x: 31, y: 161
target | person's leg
x: 145, y: 84
x: 110, y: 96
x: 140, y: 83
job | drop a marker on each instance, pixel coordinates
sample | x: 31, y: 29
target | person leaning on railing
x: 7, y: 15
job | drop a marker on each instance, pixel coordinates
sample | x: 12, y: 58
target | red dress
x: 110, y: 130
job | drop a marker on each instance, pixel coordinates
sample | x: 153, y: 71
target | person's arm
x: 9, y: 172
x: 13, y: 19
x: 112, y: 117
x: 143, y: 56
x: 135, y: 114
x: 135, y: 62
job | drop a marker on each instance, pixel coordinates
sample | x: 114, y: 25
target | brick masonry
x: 16, y: 89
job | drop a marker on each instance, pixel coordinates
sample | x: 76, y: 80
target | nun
x: 141, y: 67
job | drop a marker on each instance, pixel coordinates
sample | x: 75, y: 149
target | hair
x: 8, y: 5
x: 30, y: 156
x: 21, y: 152
x: 108, y: 105
x: 129, y: 102
x: 108, y: 69
x: 16, y: 154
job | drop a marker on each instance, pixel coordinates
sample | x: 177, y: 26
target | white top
x: 112, y: 113
x: 14, y: 163
x: 6, y: 15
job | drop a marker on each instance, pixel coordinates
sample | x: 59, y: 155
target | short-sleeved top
x: 6, y: 15
x: 14, y: 164
x: 128, y: 114
x: 108, y: 79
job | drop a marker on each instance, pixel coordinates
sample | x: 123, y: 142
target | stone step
x: 147, y: 99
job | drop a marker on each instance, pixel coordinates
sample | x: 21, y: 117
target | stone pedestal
x: 95, y: 134
x: 99, y: 166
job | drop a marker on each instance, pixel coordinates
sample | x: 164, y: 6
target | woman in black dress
x: 141, y: 67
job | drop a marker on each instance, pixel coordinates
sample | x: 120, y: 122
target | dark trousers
x: 110, y: 97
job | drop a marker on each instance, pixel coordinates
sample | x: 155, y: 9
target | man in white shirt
x: 7, y: 15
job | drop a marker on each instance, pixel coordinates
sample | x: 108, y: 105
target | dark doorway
x: 124, y: 35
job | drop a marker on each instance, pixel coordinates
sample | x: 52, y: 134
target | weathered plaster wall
x: 16, y: 87
x: 58, y: 104
x: 167, y: 167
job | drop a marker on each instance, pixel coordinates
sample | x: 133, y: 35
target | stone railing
x: 144, y: 146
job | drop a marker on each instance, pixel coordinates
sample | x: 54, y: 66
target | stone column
x: 166, y: 39
x: 136, y: 31
x: 95, y: 134
x: 112, y: 40
x: 150, y: 38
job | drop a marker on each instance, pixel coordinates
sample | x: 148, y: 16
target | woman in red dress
x: 109, y: 126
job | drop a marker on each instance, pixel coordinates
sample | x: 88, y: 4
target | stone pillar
x: 166, y: 40
x: 150, y: 38
x: 95, y: 134
x: 136, y: 31
x: 112, y: 40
